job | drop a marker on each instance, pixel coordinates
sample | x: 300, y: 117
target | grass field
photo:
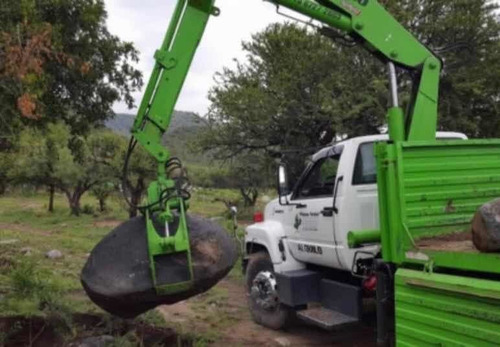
x: 33, y: 285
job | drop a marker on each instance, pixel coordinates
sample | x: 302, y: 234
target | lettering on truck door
x: 312, y: 239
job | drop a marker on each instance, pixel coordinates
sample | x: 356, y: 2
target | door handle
x: 327, y: 212
x: 300, y: 206
x: 335, y: 209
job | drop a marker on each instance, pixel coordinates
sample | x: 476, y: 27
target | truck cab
x: 299, y: 253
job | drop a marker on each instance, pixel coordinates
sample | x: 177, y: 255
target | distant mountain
x: 122, y: 123
x: 183, y: 131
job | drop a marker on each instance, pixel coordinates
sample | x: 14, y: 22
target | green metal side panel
x: 444, y: 310
x: 443, y: 185
x: 429, y: 189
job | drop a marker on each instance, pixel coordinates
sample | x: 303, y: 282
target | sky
x: 145, y: 22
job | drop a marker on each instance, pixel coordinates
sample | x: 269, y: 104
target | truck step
x: 325, y: 318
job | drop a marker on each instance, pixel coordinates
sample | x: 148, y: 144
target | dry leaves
x: 24, y: 56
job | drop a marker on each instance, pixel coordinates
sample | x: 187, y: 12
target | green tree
x: 54, y: 158
x: 249, y: 174
x: 59, y: 62
x: 6, y: 160
x: 141, y: 170
x: 295, y: 82
x: 37, y: 157
x: 466, y: 35
x: 294, y: 85
x: 102, y: 191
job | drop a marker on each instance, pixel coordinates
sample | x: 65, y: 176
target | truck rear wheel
x: 263, y: 300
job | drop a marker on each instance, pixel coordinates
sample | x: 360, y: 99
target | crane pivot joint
x: 165, y: 59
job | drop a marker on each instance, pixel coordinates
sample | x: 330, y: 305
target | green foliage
x: 295, y: 83
x: 152, y: 318
x: 32, y: 289
x: 288, y: 91
x: 6, y: 160
x: 74, y: 165
x: 209, y: 176
x: 80, y: 71
x: 88, y: 209
x: 40, y: 155
x: 25, y: 280
x: 466, y: 35
x: 142, y: 169
x: 102, y: 191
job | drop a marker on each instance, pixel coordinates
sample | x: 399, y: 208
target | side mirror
x: 283, y: 189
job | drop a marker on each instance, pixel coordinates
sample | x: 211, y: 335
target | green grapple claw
x: 170, y: 254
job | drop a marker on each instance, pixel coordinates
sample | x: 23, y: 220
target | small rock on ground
x: 26, y: 251
x: 54, y: 254
x: 282, y: 341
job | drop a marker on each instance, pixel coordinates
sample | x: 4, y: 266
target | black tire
x: 276, y: 317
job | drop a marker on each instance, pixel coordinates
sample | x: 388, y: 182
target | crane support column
x: 173, y: 61
x: 166, y: 202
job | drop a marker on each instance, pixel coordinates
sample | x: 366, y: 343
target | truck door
x: 312, y: 238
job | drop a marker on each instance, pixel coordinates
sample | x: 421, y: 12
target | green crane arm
x: 364, y: 20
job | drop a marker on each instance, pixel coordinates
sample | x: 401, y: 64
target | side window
x: 365, y: 169
x: 321, y: 179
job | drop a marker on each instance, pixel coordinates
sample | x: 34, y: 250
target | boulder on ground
x: 117, y: 276
x: 486, y: 227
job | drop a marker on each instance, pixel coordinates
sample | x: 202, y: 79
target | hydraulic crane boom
x: 366, y: 21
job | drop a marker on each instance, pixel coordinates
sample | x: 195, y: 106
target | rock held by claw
x: 117, y: 275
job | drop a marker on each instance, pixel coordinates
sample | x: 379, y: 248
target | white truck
x: 298, y: 261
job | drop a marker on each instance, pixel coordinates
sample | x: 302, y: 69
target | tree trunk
x: 102, y: 204
x: 52, y: 191
x: 135, y: 199
x: 250, y: 196
x: 74, y: 200
x: 136, y: 196
x: 74, y: 205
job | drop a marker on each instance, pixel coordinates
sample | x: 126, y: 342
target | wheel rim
x: 264, y: 291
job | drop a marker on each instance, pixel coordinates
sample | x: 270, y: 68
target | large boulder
x: 486, y: 227
x: 117, y: 275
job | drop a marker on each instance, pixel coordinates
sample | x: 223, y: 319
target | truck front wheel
x: 263, y: 300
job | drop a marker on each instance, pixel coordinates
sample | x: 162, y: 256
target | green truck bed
x: 428, y: 194
x: 446, y: 292
x: 445, y: 310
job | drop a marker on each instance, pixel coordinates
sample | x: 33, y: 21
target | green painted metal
x: 173, y: 60
x: 358, y: 238
x: 445, y: 310
x: 429, y: 189
x: 395, y: 119
x: 175, y: 244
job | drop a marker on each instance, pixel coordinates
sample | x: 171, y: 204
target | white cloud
x: 145, y: 23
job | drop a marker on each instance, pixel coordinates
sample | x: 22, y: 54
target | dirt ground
x: 242, y: 331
